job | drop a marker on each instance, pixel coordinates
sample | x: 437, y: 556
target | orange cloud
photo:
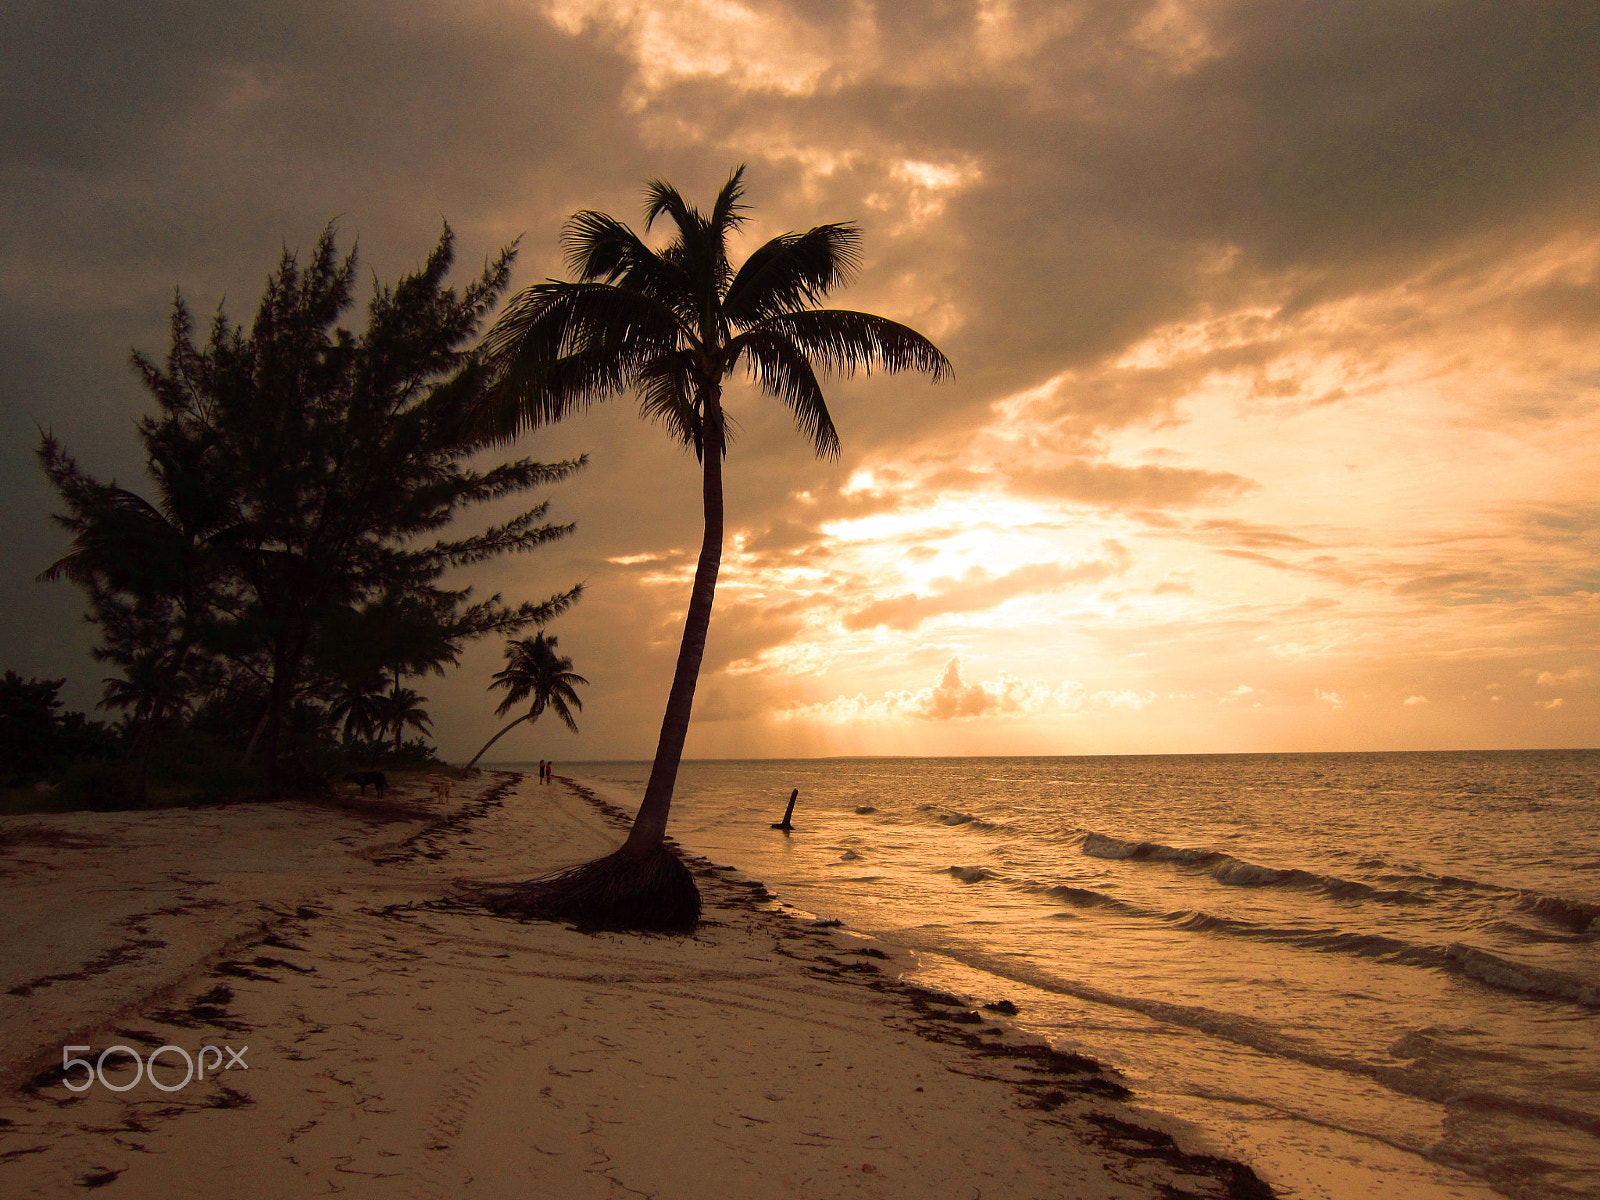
x: 1090, y: 482
x: 976, y: 590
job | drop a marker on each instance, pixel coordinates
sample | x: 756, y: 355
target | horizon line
x: 1128, y: 754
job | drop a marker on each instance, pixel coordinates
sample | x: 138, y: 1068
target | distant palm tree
x: 402, y: 707
x: 151, y: 572
x: 670, y: 326
x: 534, y: 671
x: 358, y: 703
x: 364, y: 652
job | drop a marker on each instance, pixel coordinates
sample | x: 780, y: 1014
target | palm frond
x: 662, y: 199
x: 700, y: 251
x: 560, y: 347
x: 601, y: 248
x: 841, y: 342
x: 793, y: 271
x: 534, y: 670
x: 781, y: 369
x: 727, y: 214
x: 666, y: 396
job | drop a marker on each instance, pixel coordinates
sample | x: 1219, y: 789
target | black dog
x: 363, y: 778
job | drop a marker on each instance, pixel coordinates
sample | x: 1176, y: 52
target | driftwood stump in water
x: 788, y: 812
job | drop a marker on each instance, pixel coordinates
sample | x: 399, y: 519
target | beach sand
x: 390, y: 1046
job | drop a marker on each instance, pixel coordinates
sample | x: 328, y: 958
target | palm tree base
x: 626, y: 890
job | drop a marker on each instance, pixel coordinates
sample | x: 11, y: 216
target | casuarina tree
x: 670, y: 326
x: 304, y: 477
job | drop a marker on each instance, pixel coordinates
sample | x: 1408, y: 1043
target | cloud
x: 1243, y: 695
x: 1555, y: 679
x: 953, y: 699
x: 1089, y: 482
x: 1156, y: 240
x: 1413, y: 701
x: 1248, y: 534
x: 977, y: 590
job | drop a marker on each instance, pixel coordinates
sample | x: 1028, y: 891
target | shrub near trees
x: 37, y: 739
x: 289, y: 566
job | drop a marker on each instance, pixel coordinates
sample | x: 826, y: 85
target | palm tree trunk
x: 650, y: 826
x: 272, y: 730
x: 144, y: 750
x: 524, y: 717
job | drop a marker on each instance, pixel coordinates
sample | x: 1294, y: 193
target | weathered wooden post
x: 788, y: 812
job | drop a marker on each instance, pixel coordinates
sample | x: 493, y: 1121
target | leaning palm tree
x: 534, y: 671
x: 670, y: 326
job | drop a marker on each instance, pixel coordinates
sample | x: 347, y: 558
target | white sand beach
x: 390, y: 1047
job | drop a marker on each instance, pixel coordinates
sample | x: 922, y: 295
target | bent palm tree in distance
x: 670, y: 326
x: 534, y: 671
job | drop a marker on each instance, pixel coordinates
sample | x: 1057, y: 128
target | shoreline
x: 394, y: 1039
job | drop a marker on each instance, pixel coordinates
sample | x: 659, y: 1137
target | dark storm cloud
x: 1289, y: 153
x: 178, y: 143
x: 182, y: 144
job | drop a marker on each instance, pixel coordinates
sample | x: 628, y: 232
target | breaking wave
x: 1238, y: 872
x: 1505, y: 973
x: 1494, y: 970
x: 1579, y: 916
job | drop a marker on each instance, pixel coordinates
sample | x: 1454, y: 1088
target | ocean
x: 1367, y: 975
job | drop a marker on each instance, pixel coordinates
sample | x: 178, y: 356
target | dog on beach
x: 441, y: 790
x: 363, y: 778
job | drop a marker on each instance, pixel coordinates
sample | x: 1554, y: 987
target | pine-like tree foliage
x: 304, y: 479
x: 669, y: 326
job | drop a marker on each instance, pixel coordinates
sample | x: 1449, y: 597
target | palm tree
x: 358, y: 705
x: 534, y: 671
x: 151, y: 571
x: 670, y: 326
x: 400, y: 708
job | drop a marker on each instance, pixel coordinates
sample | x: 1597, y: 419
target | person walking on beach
x: 541, y: 770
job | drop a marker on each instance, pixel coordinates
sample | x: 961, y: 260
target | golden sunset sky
x: 1276, y: 333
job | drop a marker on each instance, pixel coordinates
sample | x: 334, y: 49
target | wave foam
x: 1238, y: 872
x: 1580, y: 916
x: 1522, y: 977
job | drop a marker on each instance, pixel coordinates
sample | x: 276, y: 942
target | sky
x: 1275, y: 327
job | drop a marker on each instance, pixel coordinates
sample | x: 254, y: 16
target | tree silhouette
x: 357, y: 705
x: 534, y: 671
x: 670, y: 326
x: 304, y: 472
x: 36, y: 737
x: 151, y: 571
x: 400, y: 708
x: 367, y: 651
